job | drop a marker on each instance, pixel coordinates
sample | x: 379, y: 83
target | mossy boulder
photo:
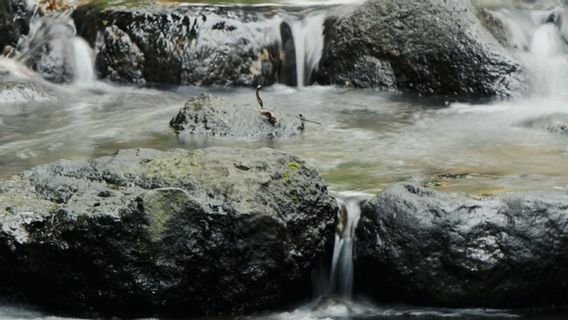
x: 147, y: 232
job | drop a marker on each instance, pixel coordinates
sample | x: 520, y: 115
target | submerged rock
x: 145, y: 231
x: 420, y: 246
x: 431, y: 46
x: 19, y: 84
x: 554, y: 123
x: 183, y: 44
x: 212, y: 116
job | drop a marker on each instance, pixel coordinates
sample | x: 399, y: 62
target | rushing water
x: 308, y: 42
x: 367, y: 139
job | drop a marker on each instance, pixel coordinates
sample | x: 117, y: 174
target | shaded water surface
x: 367, y: 139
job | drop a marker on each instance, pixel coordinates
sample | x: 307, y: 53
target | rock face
x: 432, y: 47
x: 144, y: 231
x: 424, y: 247
x: 183, y: 44
x: 14, y: 21
x: 212, y: 116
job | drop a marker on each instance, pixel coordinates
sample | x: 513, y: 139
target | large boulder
x: 420, y: 246
x: 209, y: 115
x: 144, y: 231
x: 425, y: 46
x: 183, y: 44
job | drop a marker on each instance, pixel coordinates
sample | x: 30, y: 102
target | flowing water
x: 367, y: 139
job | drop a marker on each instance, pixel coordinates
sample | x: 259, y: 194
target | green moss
x: 160, y: 206
x: 286, y: 175
x: 173, y: 168
x: 294, y: 195
x: 294, y: 165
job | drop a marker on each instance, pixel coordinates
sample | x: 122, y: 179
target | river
x: 366, y: 140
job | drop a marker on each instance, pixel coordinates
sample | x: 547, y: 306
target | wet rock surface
x: 14, y: 21
x: 424, y: 247
x: 183, y: 44
x: 48, y: 48
x: 209, y: 115
x: 177, y: 232
x: 19, y: 84
x: 433, y: 47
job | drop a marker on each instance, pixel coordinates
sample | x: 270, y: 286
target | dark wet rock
x: 424, y: 247
x: 183, y: 44
x: 287, y: 72
x: 213, y: 116
x: 554, y: 123
x: 14, y: 22
x: 144, y: 231
x: 494, y: 25
x: 433, y: 47
x: 120, y: 59
x: 369, y: 72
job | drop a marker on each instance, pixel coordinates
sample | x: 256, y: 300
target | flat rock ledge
x: 213, y: 231
x: 439, y: 249
x: 209, y: 115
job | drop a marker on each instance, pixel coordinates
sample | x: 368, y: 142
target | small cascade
x: 82, y: 61
x: 308, y: 43
x: 538, y: 41
x: 53, y: 49
x: 341, y: 279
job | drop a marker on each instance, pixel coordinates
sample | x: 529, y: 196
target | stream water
x: 367, y: 139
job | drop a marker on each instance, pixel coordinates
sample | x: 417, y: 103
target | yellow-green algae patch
x: 173, y: 167
x: 160, y: 205
x: 294, y: 165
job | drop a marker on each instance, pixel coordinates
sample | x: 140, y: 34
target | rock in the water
x: 145, y: 231
x: 554, y: 123
x: 433, y: 47
x: 19, y: 84
x: 183, y: 44
x: 14, y: 21
x: 48, y: 49
x: 212, y: 116
x: 420, y: 246
x: 122, y: 60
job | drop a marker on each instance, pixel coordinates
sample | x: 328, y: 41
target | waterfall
x: 82, y: 61
x: 308, y: 42
x: 537, y: 40
x: 53, y: 49
x: 341, y: 279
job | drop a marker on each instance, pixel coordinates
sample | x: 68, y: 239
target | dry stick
x: 265, y: 112
x: 301, y: 117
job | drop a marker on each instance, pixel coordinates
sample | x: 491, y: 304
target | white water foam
x: 537, y: 40
x: 308, y: 43
x: 341, y: 281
